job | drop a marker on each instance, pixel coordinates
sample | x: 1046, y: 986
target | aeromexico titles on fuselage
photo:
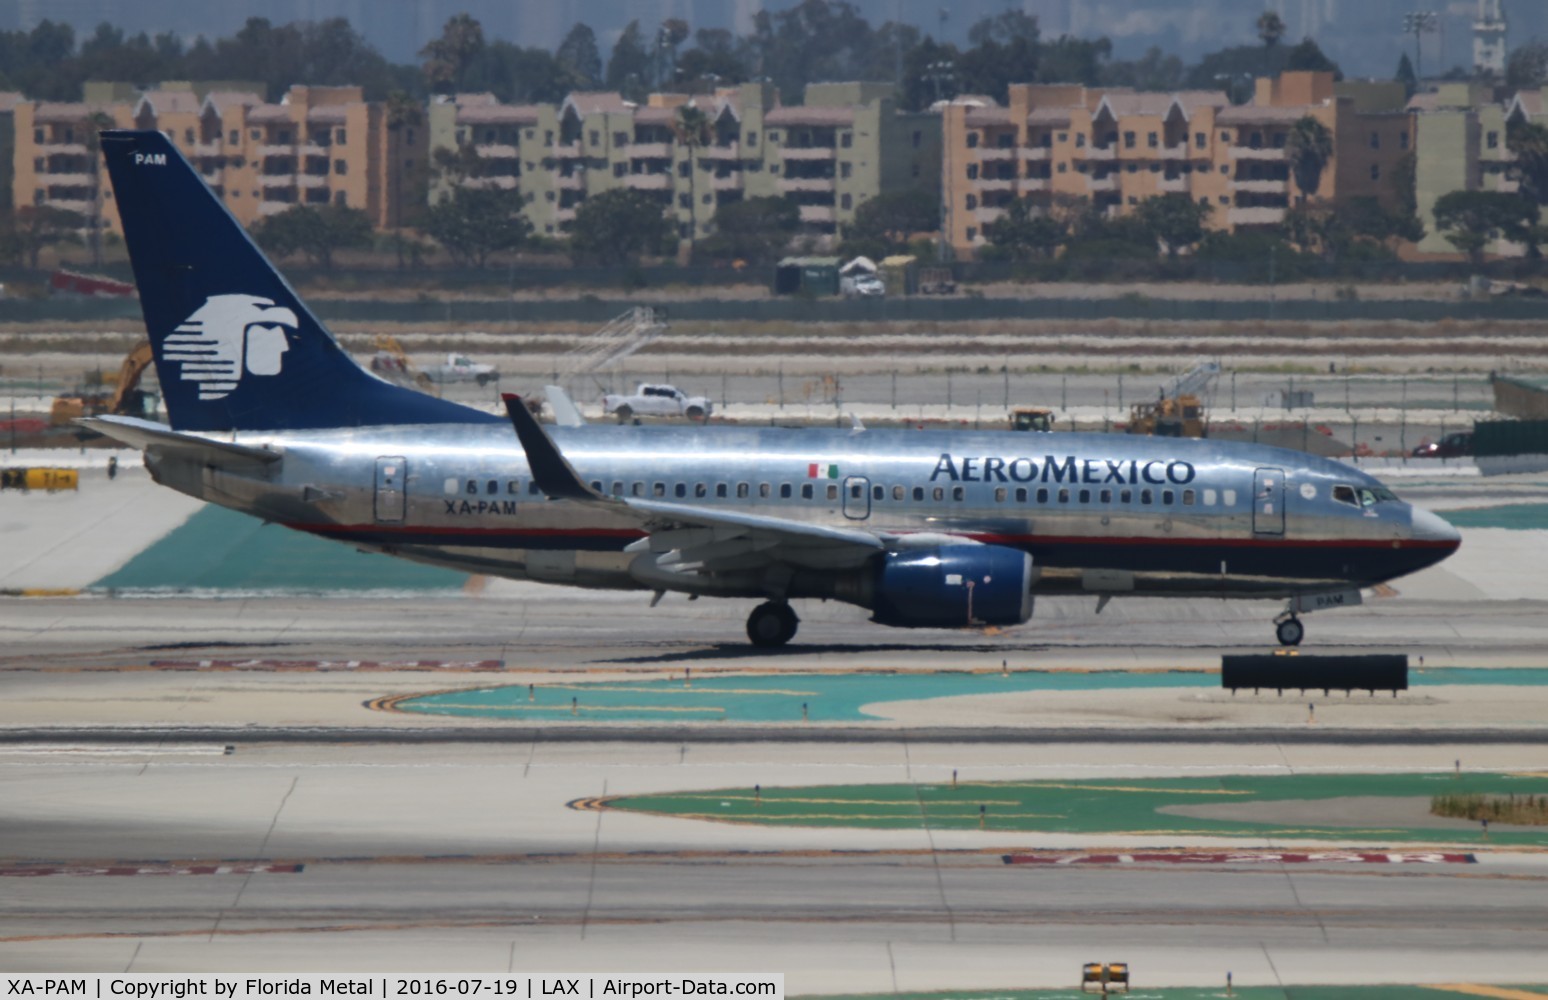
x: 1068, y: 468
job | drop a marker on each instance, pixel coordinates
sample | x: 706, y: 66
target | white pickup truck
x: 657, y: 401
x: 461, y: 368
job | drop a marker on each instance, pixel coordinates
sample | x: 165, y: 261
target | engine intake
x: 952, y: 586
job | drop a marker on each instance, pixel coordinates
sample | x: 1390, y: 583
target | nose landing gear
x: 771, y: 624
x: 1289, y: 630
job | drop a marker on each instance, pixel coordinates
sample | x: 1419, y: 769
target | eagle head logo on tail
x: 226, y: 337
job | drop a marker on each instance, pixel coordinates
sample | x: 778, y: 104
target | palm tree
x: 1308, y: 149
x: 402, y: 112
x: 95, y: 123
x: 1271, y: 28
x: 693, y: 130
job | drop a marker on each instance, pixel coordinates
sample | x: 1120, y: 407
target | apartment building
x: 847, y: 144
x: 1462, y: 146
x: 316, y: 146
x: 1116, y: 148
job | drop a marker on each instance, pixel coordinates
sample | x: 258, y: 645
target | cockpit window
x: 1365, y: 496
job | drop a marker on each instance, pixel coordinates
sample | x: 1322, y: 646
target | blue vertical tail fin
x: 235, y: 347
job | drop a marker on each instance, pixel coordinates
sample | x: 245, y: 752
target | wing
x: 688, y: 539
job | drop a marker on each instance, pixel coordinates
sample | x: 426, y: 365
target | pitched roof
x: 801, y: 115
x: 590, y: 102
x: 169, y: 102
x: 498, y: 114
x: 220, y: 100
x: 1253, y: 114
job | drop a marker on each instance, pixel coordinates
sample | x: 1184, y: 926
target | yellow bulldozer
x: 1181, y: 416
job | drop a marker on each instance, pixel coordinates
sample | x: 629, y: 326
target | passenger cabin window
x: 999, y: 494
x: 1064, y: 494
x: 938, y: 494
x: 1187, y: 498
x: 659, y: 489
x: 721, y: 490
x: 807, y: 491
x: 1042, y: 494
x: 784, y: 491
x: 957, y: 493
x: 700, y: 491
x: 832, y: 491
x: 898, y: 493
x: 618, y: 489
x: 1167, y: 497
x: 639, y: 489
x: 764, y: 490
x: 742, y: 490
x: 878, y: 492
x: 1125, y: 496
x: 1209, y: 498
x: 473, y: 487
x: 513, y: 487
x: 918, y: 493
x: 1021, y: 494
x: 856, y: 491
x: 1228, y: 498
x: 680, y: 490
x: 452, y: 486
x: 1106, y: 496
x: 1085, y: 496
x: 1145, y: 498
x: 532, y: 488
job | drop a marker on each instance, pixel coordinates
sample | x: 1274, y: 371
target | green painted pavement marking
x: 219, y: 549
x: 837, y: 697
x: 1516, y: 516
x: 1211, y: 992
x: 1303, y: 806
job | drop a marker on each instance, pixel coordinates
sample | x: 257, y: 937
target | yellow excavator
x: 125, y: 398
x: 392, y: 362
x: 1177, y: 410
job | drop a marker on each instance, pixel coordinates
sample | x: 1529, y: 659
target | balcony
x: 1249, y: 153
x: 733, y: 151
x: 277, y: 180
x: 207, y: 148
x: 1098, y: 153
x: 649, y: 182
x: 996, y: 184
x: 817, y: 213
x: 730, y: 182
x: 77, y: 205
x: 504, y: 182
x: 1173, y: 185
x: 1177, y: 152
x: 808, y: 152
x: 271, y: 149
x: 62, y: 149
x: 987, y: 215
x: 990, y: 153
x: 213, y: 175
x: 70, y: 179
x: 573, y: 182
x: 496, y: 151
x: 1034, y: 152
x: 313, y: 180
x: 312, y: 149
x: 568, y: 151
x: 650, y: 151
x: 789, y: 184
x: 564, y: 215
x: 1255, y: 216
x: 1108, y: 183
x: 274, y: 207
x: 1261, y: 186
x: 1034, y: 184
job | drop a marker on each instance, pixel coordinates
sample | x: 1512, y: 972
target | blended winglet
x: 552, y: 473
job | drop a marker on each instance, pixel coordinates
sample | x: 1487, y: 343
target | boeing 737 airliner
x: 269, y: 416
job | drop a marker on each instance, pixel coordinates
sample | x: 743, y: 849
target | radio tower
x: 1489, y: 39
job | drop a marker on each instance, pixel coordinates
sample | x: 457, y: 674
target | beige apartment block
x: 316, y: 146
x: 845, y: 145
x: 1072, y: 145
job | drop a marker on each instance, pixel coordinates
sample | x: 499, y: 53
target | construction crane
x: 1177, y: 410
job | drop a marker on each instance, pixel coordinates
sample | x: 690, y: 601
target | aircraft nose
x: 1430, y: 527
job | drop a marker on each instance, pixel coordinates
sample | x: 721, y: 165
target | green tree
x: 628, y: 68
x: 1308, y: 149
x: 1406, y: 76
x: 1005, y: 51
x: 35, y: 227
x: 1405, y: 183
x: 1176, y: 219
x: 893, y: 219
x: 447, y: 58
x: 1471, y: 220
x: 755, y: 231
x: 617, y: 226
x: 1527, y: 66
x: 1024, y: 232
x: 1528, y: 141
x: 578, y: 53
x: 318, y: 232
x: 1306, y: 55
x: 475, y: 223
x: 1271, y: 28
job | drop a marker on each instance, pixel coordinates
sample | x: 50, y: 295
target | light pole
x: 1417, y: 23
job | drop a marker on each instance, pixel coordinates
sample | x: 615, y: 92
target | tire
x: 695, y: 413
x: 771, y: 625
x: 483, y: 380
x: 625, y: 413
x: 1290, y: 632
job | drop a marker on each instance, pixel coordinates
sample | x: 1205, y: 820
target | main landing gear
x: 1289, y: 630
x: 771, y: 624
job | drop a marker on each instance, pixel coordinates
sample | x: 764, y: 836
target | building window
x: 338, y: 137
x: 620, y: 138
x: 845, y: 201
x: 620, y: 169
x: 684, y: 169
x: 1128, y: 140
x: 774, y: 135
x: 1494, y: 140
x: 752, y: 140
x: 685, y: 201
x: 707, y: 199
x: 972, y: 172
x: 1063, y: 167
x: 972, y: 140
x: 918, y: 138
x: 1225, y: 200
x: 1064, y: 137
x: 548, y: 137
x: 1375, y: 171
x: 972, y: 202
x: 596, y: 137
x: 1403, y: 139
x: 844, y: 170
x: 1080, y: 140
x: 1152, y: 140
x: 1200, y: 139
x: 339, y: 198
x: 846, y: 140
x: 341, y: 167
x: 972, y: 233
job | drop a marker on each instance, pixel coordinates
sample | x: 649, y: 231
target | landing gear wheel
x: 1290, y: 632
x: 771, y: 625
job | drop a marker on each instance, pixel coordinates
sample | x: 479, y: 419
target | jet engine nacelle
x: 951, y: 586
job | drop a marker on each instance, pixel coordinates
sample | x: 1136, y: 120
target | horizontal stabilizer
x: 147, y: 434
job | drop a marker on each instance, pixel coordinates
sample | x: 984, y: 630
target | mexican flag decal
x: 821, y: 471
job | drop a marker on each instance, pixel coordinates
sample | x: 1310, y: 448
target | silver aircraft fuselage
x: 1098, y: 513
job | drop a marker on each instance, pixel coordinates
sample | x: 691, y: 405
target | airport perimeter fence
x: 594, y: 310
